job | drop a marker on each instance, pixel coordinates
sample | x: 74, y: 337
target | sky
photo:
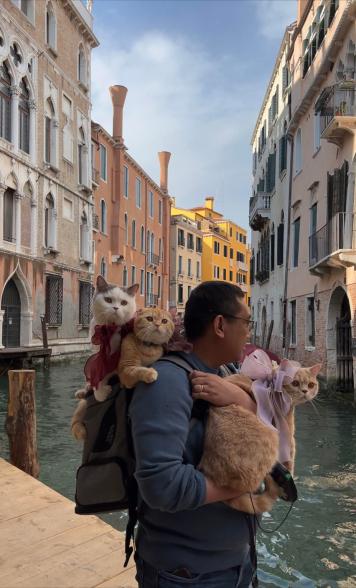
x: 196, y: 73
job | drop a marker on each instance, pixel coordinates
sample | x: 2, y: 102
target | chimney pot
x: 164, y: 157
x: 118, y: 96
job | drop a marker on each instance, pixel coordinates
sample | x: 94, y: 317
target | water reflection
x: 316, y: 545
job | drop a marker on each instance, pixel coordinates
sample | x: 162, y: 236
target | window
x: 159, y: 287
x: 50, y: 27
x: 189, y: 268
x: 313, y: 244
x: 133, y: 275
x: 160, y: 251
x: 24, y: 118
x: 150, y: 204
x: 103, y: 216
x: 190, y: 241
x: 225, y: 251
x: 317, y: 131
x: 293, y: 322
x: 310, y: 322
x: 133, y: 233
x: 81, y: 157
x: 54, y: 300
x: 142, y: 240
x: 67, y: 209
x: 231, y: 253
x: 272, y: 248
x: 189, y: 291
x: 5, y: 102
x: 148, y: 239
x: 296, y: 231
x: 50, y: 222
x: 126, y: 229
x: 85, y: 301
x: 138, y: 192
x: 298, y: 152
x: 142, y: 282
x: 181, y: 240
x: 82, y: 67
x: 50, y: 133
x: 224, y: 274
x: 67, y: 131
x: 152, y: 245
x: 230, y: 276
x: 282, y: 154
x: 124, y: 276
x: 103, y: 163
x: 230, y: 231
x: 27, y: 7
x: 240, y: 257
x: 9, y: 216
x: 216, y: 247
x: 126, y: 181
x: 84, y: 238
x: 103, y: 267
x: 160, y: 211
x: 199, y: 245
x: 180, y: 264
x: 280, y: 243
x: 198, y: 270
x: 180, y: 293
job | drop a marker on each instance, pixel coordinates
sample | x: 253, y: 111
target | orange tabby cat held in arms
x: 153, y: 327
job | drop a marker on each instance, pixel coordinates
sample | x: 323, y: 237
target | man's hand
x: 218, y: 391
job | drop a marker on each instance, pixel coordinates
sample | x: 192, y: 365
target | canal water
x: 315, y: 547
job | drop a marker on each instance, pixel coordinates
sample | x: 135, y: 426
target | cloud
x: 274, y: 16
x: 183, y: 99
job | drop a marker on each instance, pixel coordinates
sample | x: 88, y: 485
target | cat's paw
x: 150, y: 375
x: 83, y: 392
x: 102, y: 392
x: 79, y: 431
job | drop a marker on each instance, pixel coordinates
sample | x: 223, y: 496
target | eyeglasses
x: 250, y: 323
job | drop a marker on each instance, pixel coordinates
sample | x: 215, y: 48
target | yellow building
x: 226, y: 254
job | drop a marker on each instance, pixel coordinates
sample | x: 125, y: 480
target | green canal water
x: 315, y: 547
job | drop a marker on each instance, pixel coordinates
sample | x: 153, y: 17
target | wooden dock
x: 45, y: 545
x: 22, y: 357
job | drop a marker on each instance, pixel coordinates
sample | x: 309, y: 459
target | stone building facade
x: 132, y: 214
x: 45, y: 166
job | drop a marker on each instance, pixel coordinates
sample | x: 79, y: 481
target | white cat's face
x: 112, y: 304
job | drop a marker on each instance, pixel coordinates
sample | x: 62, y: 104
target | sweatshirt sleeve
x: 160, y: 417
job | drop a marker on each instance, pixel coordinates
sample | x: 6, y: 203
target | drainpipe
x: 286, y: 272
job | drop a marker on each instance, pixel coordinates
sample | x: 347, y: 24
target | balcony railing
x: 242, y: 266
x: 152, y: 258
x: 334, y: 245
x: 262, y: 276
x: 260, y: 210
x: 151, y: 299
x: 337, y: 108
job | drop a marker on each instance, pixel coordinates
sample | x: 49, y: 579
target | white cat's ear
x: 101, y: 284
x: 315, y: 369
x: 132, y: 290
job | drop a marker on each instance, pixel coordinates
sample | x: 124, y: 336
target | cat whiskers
x: 314, y: 407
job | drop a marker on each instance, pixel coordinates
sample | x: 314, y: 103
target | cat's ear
x: 132, y: 290
x: 101, y: 284
x: 315, y: 369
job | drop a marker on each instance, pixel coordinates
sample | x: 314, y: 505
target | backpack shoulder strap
x: 179, y: 361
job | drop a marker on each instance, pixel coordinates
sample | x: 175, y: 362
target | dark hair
x: 207, y: 301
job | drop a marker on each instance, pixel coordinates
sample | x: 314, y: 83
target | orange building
x: 131, y: 214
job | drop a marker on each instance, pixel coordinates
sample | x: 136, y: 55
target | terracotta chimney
x: 118, y: 95
x: 164, y: 157
x: 209, y: 202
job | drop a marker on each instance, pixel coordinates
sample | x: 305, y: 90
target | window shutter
x: 280, y: 239
x: 272, y: 252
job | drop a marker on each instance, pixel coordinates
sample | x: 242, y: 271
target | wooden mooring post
x: 21, y: 421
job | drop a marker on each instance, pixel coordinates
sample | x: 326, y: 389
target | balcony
x: 95, y: 176
x: 260, y: 210
x: 242, y: 266
x: 152, y: 259
x: 151, y: 299
x: 262, y: 276
x: 334, y: 245
x: 337, y: 108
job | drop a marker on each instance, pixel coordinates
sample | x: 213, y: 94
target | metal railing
x: 260, y: 202
x: 151, y: 299
x: 152, y: 258
x: 338, y: 100
x: 338, y: 233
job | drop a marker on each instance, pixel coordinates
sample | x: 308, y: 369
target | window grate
x: 86, y: 291
x: 54, y: 300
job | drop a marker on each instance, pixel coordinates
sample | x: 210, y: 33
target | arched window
x: 5, y: 102
x: 9, y: 216
x: 84, y: 237
x: 82, y: 77
x: 24, y: 117
x: 142, y: 239
x: 152, y: 246
x: 103, y: 216
x: 124, y: 276
x: 126, y: 229
x: 148, y: 238
x: 50, y: 137
x: 133, y: 234
x: 81, y: 156
x: 51, y: 32
x: 103, y: 267
x: 50, y: 222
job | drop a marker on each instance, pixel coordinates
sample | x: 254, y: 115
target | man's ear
x: 218, y: 326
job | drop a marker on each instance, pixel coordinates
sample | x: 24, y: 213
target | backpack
x: 105, y: 480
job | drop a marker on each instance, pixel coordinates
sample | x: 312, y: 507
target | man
x: 186, y: 533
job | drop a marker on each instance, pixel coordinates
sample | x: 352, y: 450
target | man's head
x: 217, y: 315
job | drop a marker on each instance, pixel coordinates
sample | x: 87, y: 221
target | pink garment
x: 105, y: 360
x: 273, y: 404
